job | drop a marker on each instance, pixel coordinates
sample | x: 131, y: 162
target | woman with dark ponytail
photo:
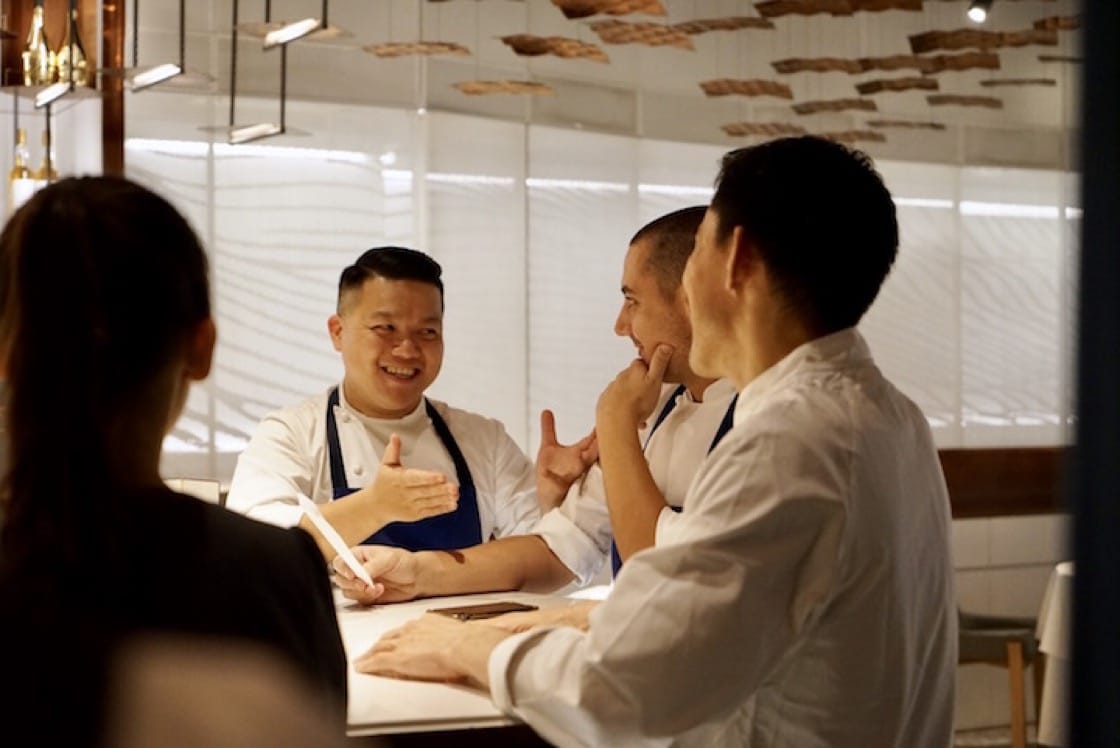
x: 104, y: 324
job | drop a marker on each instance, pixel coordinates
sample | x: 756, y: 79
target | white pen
x: 336, y: 541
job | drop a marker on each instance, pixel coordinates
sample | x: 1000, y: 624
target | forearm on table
x: 353, y: 517
x: 471, y: 656
x: 520, y: 562
x: 633, y: 499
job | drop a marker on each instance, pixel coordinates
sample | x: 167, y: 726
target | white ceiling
x: 651, y: 91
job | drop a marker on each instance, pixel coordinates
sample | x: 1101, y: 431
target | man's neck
x: 371, y: 411
x: 765, y: 340
x: 696, y: 386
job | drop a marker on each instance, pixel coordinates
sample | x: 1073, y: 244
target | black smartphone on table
x: 482, y: 610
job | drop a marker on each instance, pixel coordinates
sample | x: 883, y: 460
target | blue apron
x: 458, y: 529
x: 724, y: 427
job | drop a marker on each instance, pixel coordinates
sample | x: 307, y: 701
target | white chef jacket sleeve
x: 578, y: 531
x: 275, y: 469
x: 668, y: 527
x: 690, y: 630
x: 514, y: 476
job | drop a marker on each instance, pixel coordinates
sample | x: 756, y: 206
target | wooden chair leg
x: 1039, y: 668
x: 1018, y: 695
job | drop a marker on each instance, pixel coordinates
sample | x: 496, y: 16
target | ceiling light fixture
x: 978, y: 10
x: 290, y: 32
x: 247, y: 133
x: 233, y: 67
x: 276, y: 33
x: 139, y: 77
x: 142, y: 78
x: 51, y: 94
x: 147, y: 77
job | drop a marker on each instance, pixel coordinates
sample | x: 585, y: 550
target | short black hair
x: 671, y: 237
x: 394, y: 263
x: 820, y: 217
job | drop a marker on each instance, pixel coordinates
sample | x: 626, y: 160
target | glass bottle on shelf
x: 21, y: 184
x: 47, y: 171
x: 39, y: 65
x: 72, y: 52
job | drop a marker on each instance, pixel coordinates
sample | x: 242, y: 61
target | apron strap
x: 725, y: 424
x: 666, y: 409
x: 339, y: 485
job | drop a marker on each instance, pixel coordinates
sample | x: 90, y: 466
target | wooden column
x: 17, y: 20
x: 112, y: 88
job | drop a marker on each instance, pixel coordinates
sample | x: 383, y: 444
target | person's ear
x: 742, y: 260
x: 334, y: 327
x: 200, y: 350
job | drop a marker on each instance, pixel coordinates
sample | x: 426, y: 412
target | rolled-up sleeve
x: 514, y: 498
x: 668, y: 527
x: 579, y: 530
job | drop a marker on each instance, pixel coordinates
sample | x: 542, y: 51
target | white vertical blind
x: 1012, y: 286
x: 476, y: 225
x: 914, y: 326
x: 582, y: 212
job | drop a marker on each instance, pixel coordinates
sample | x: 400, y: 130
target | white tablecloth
x: 1054, y: 632
x: 385, y: 705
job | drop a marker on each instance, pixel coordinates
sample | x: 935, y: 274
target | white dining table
x: 1055, y: 632
x: 379, y: 706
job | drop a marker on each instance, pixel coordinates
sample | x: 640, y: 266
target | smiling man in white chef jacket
x: 806, y: 596
x: 466, y: 480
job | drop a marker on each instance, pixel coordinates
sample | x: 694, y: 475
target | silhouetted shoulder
x: 217, y: 572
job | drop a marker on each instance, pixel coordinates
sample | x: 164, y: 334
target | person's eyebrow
x: 387, y: 315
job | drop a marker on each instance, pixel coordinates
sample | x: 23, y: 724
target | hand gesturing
x: 405, y: 494
x: 560, y: 465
